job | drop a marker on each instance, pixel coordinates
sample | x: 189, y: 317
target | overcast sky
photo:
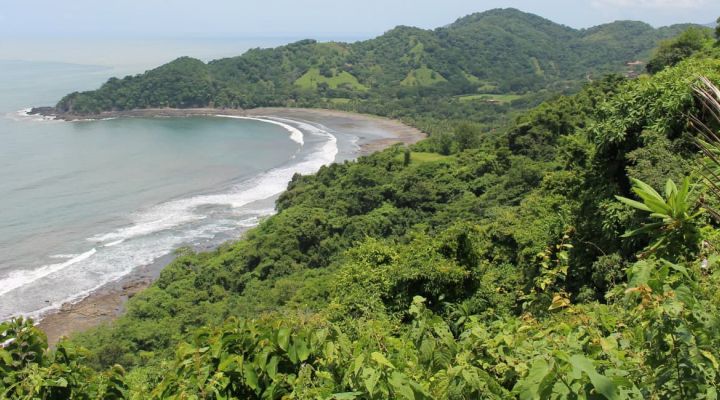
x: 310, y: 18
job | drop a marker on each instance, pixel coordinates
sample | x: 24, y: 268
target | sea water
x: 86, y: 203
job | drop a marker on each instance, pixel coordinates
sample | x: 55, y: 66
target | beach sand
x: 106, y: 304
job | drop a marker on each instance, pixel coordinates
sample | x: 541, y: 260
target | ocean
x: 86, y: 203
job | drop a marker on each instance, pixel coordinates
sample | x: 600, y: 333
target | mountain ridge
x: 496, y: 51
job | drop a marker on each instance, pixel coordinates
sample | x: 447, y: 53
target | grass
x: 422, y: 77
x: 501, y: 98
x: 417, y: 52
x: 536, y: 67
x: 472, y: 78
x: 312, y: 78
x: 487, y: 86
x: 340, y: 100
x: 418, y: 157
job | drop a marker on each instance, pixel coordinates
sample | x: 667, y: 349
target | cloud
x: 655, y: 4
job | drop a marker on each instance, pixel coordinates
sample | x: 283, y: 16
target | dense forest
x: 470, y: 65
x: 573, y: 254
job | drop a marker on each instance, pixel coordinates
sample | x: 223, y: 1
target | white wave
x: 296, y: 135
x: 179, y: 212
x: 248, y: 222
x: 63, y: 256
x: 49, y: 287
x: 24, y: 115
x: 258, y: 211
x: 162, y: 217
x: 18, y: 279
x: 94, y: 119
x: 107, y: 266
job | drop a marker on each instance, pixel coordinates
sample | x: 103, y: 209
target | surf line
x: 296, y: 134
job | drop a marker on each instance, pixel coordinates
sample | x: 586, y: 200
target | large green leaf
x: 251, y: 378
x: 643, y: 229
x: 670, y: 188
x: 402, y: 389
x: 633, y: 203
x: 380, y: 359
x: 345, y: 396
x: 534, y: 385
x: 272, y: 366
x: 283, y: 338
x: 302, y: 350
x: 602, y: 384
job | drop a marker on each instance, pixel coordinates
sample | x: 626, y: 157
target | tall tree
x: 467, y: 136
x: 671, y: 52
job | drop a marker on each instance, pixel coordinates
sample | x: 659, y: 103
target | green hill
x: 573, y: 254
x: 498, y: 266
x: 313, y: 79
x: 504, y: 51
x: 422, y: 76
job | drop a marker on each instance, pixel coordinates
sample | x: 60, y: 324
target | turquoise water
x: 85, y: 203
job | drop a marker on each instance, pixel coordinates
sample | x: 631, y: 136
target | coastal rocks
x: 43, y: 111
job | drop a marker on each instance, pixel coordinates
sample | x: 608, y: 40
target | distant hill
x: 497, y: 51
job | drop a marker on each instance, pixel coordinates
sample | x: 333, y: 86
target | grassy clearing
x: 417, y: 51
x: 501, y: 98
x: 536, y: 67
x: 312, y: 78
x: 422, y: 77
x: 340, y: 100
x: 472, y: 78
x: 487, y: 86
x: 418, y: 157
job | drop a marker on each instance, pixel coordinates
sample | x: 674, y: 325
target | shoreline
x: 108, y: 302
x: 402, y: 133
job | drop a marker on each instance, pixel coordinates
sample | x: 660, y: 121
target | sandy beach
x: 397, y: 132
x: 104, y: 305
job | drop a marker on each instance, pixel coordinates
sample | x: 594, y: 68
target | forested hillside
x: 405, y: 72
x: 573, y: 254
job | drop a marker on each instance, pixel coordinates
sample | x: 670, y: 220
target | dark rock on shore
x: 45, y: 111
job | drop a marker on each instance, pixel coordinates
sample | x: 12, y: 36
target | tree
x: 444, y: 143
x: 672, y: 51
x: 466, y: 136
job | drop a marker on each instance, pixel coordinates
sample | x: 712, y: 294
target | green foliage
x: 418, y: 157
x: 501, y: 98
x: 466, y: 137
x: 29, y: 371
x: 313, y: 79
x: 406, y: 72
x: 423, y: 76
x: 672, y: 51
x: 660, y: 104
x: 546, y: 289
x: 475, y: 264
x: 676, y: 236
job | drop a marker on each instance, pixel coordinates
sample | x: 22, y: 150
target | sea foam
x: 156, y: 231
x: 179, y: 212
x: 296, y: 135
x: 24, y: 115
x: 18, y: 279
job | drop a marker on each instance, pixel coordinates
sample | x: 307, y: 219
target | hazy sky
x: 311, y: 18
